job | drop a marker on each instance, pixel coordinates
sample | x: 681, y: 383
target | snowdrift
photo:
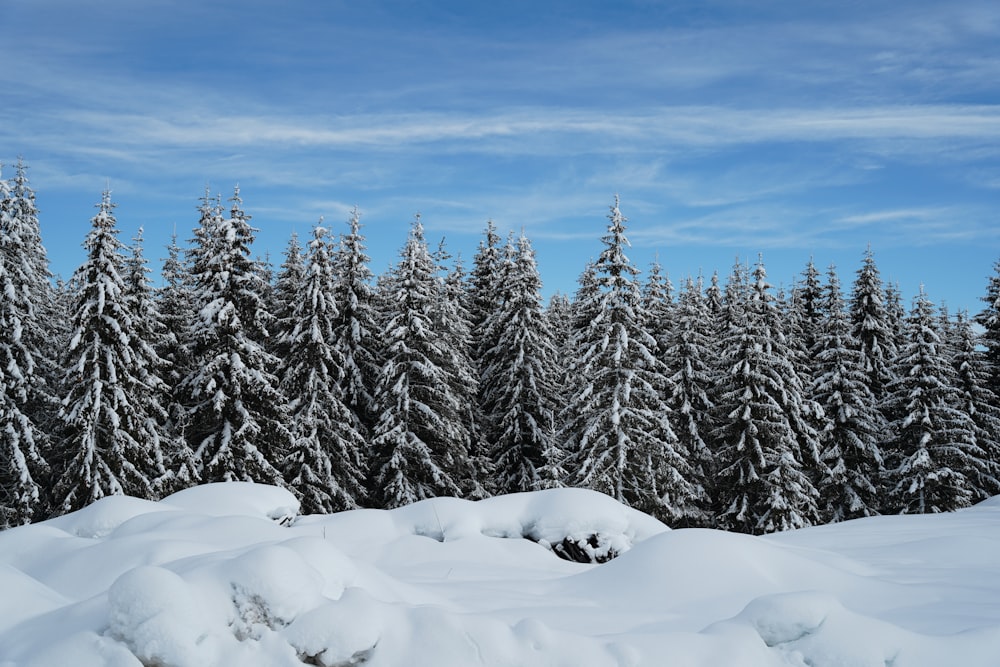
x: 229, y: 574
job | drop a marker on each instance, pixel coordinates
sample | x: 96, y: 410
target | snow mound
x: 222, y: 575
x: 238, y: 499
x: 596, y: 526
x: 100, y: 518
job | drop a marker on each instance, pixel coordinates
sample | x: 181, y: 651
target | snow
x: 229, y: 573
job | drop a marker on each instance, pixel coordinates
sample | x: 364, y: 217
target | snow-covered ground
x: 228, y: 574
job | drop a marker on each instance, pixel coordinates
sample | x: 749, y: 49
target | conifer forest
x: 716, y: 402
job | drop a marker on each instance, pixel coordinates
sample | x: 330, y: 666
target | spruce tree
x: 356, y: 328
x: 111, y: 441
x: 453, y: 324
x: 519, y: 384
x: 657, y: 306
x: 44, y: 316
x: 286, y: 290
x: 871, y: 327
x: 486, y: 293
x: 849, y: 439
x: 895, y: 314
x: 22, y: 467
x: 559, y: 317
x: 989, y: 320
x: 417, y: 440
x: 808, y: 307
x: 325, y: 467
x: 236, y: 422
x: 486, y: 288
x: 975, y: 399
x: 175, y: 301
x: 617, y: 429
x: 761, y: 483
x: 933, y: 454
x: 687, y: 346
x: 584, y: 308
x: 179, y: 469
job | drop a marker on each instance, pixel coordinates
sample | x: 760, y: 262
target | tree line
x: 721, y: 403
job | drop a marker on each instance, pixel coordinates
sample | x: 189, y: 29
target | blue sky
x: 729, y: 128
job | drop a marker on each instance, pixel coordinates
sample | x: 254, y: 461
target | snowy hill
x: 228, y: 574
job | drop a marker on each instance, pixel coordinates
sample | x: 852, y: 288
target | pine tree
x: 559, y: 318
x: 933, y: 452
x: 981, y: 404
x: 22, y: 467
x: 871, y: 327
x: 519, y: 384
x: 236, y: 423
x: 849, y: 440
x: 617, y: 427
x: 112, y: 442
x: 453, y: 323
x: 356, y: 326
x: 286, y: 291
x: 989, y: 320
x: 895, y: 314
x: 585, y: 307
x: 44, y: 317
x: 688, y: 348
x: 808, y: 307
x: 658, y: 305
x: 762, y: 485
x: 156, y: 394
x: 325, y: 467
x: 487, y: 291
x: 175, y: 301
x: 713, y: 298
x: 417, y: 441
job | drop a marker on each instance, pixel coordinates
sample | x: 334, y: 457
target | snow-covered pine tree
x: 22, y: 468
x: 872, y: 328
x: 895, y: 314
x: 111, y: 441
x: 326, y: 466
x: 933, y: 455
x: 688, y: 349
x: 452, y: 321
x: 657, y: 306
x: 519, y: 383
x: 237, y: 425
x: 989, y: 319
x: 559, y: 319
x: 585, y: 307
x: 849, y: 439
x: 45, y: 321
x: 486, y: 293
x: 981, y: 404
x: 808, y: 305
x: 486, y: 288
x: 761, y: 485
x: 617, y: 430
x: 286, y: 290
x: 155, y: 393
x: 559, y: 316
x: 175, y: 302
x: 417, y: 441
x: 799, y: 321
x: 356, y: 325
x: 713, y: 297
